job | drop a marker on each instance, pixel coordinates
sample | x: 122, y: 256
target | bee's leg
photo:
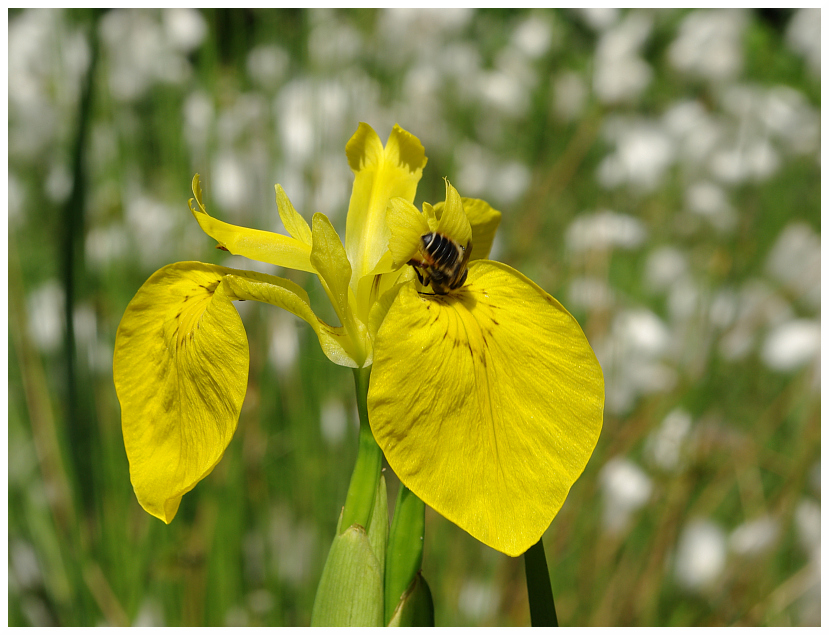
x: 419, y: 276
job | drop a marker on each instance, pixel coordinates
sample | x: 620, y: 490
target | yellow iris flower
x: 486, y: 399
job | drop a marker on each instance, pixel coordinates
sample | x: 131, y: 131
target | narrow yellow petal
x: 484, y: 221
x: 430, y: 213
x: 295, y: 225
x: 453, y: 222
x: 180, y: 370
x: 275, y: 249
x: 487, y: 403
x: 329, y: 259
x: 380, y: 174
x: 336, y: 342
x: 374, y: 284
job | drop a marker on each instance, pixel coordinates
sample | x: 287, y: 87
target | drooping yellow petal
x: 484, y: 221
x: 275, y: 249
x: 380, y: 174
x: 453, y: 222
x: 180, y: 370
x: 487, y: 403
x: 336, y: 342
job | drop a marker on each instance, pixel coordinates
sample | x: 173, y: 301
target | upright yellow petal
x: 295, y: 225
x: 180, y: 370
x: 406, y: 226
x: 380, y: 174
x: 329, y: 259
x: 275, y: 249
x: 484, y: 220
x: 487, y: 403
x: 383, y: 277
x: 453, y: 222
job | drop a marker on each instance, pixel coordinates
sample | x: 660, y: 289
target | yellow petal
x: 276, y: 249
x: 329, y: 259
x: 380, y: 174
x: 430, y: 212
x: 487, y: 403
x: 336, y: 342
x: 375, y: 283
x: 295, y: 225
x: 453, y: 222
x: 180, y: 370
x: 407, y: 226
x: 484, y: 221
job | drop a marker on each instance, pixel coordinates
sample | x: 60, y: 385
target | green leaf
x: 415, y: 607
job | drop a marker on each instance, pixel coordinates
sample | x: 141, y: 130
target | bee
x: 441, y: 262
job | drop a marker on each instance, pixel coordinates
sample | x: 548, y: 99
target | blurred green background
x: 658, y: 172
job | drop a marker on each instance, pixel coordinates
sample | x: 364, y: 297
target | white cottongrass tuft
x: 603, y: 230
x: 625, y: 489
x: 700, y: 555
x: 791, y: 345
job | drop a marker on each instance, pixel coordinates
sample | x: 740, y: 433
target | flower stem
x: 360, y: 498
x: 539, y: 590
x: 404, y: 555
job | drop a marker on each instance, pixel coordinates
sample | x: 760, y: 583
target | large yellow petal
x: 380, y: 174
x: 181, y: 367
x: 180, y: 370
x: 275, y: 249
x: 487, y: 403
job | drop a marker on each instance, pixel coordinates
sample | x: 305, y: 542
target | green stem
x: 539, y: 590
x: 361, y: 491
x: 404, y: 555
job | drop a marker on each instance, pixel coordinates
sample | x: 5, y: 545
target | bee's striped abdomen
x: 441, y: 262
x: 444, y: 251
